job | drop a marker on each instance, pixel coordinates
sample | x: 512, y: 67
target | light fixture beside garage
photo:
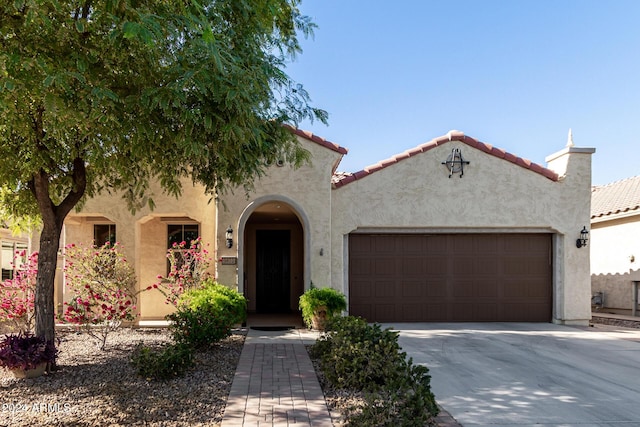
x: 229, y: 236
x: 584, y: 237
x: 455, y: 163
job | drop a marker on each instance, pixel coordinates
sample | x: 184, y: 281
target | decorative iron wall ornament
x: 455, y: 163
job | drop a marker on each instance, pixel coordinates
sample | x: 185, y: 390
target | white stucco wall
x: 494, y: 195
x: 615, y: 251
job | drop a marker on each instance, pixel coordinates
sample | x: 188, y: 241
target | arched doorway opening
x: 273, y: 264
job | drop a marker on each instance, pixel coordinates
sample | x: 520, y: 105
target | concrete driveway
x: 526, y: 374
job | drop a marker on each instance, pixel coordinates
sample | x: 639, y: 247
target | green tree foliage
x: 109, y: 95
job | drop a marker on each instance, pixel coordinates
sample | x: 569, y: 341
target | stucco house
x: 615, y: 242
x: 12, y: 246
x: 452, y: 230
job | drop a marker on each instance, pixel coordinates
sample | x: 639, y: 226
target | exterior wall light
x: 229, y: 236
x: 584, y: 237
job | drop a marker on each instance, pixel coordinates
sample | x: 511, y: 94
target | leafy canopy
x: 110, y: 94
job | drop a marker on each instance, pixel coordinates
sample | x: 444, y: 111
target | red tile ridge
x: 317, y: 139
x: 453, y: 135
x: 373, y: 168
x: 498, y: 152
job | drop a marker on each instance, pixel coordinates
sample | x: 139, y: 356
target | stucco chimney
x: 571, y: 161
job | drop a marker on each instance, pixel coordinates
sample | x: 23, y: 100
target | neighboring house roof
x: 620, y: 197
x: 339, y: 179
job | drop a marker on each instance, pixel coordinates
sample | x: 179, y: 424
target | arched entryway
x: 273, y: 260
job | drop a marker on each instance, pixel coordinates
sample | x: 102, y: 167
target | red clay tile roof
x: 615, y: 198
x: 346, y: 178
x: 318, y: 140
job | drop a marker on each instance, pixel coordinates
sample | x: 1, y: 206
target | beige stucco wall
x: 412, y: 195
x: 143, y: 235
x: 416, y: 195
x: 615, y: 251
x: 307, y: 190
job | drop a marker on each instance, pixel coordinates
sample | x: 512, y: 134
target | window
x: 104, y: 233
x: 178, y: 233
x: 12, y: 258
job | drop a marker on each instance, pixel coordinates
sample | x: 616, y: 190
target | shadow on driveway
x: 526, y: 374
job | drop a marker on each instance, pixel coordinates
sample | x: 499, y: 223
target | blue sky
x: 516, y: 74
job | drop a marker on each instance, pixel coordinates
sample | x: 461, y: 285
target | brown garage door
x: 450, y: 277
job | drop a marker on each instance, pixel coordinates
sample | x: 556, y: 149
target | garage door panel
x: 385, y: 312
x: 434, y: 313
x: 454, y: 277
x: 435, y: 243
x: 384, y: 244
x: 413, y: 289
x: 360, y: 267
x: 412, y: 245
x: 361, y: 288
x: 461, y: 312
x: 385, y: 266
x: 436, y: 287
x: 361, y: 310
x: 435, y: 265
x: 384, y: 289
x: 463, y: 289
x: 524, y: 266
x: 486, y: 312
x: 486, y: 266
x: 487, y: 289
x: 361, y: 245
x: 463, y: 265
x: 484, y: 244
x: 412, y: 312
x: 413, y: 266
x: 516, y: 290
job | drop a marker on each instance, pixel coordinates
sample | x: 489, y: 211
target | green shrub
x: 357, y: 356
x: 206, y: 315
x: 333, y: 301
x: 167, y: 362
x: 360, y: 356
x: 213, y: 295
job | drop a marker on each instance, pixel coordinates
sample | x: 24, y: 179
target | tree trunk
x: 52, y: 218
x: 44, y: 295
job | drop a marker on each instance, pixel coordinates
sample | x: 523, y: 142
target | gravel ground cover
x: 635, y: 324
x: 94, y: 387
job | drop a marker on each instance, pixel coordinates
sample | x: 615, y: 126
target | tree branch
x: 79, y: 179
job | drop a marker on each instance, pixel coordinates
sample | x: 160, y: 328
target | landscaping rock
x: 100, y: 387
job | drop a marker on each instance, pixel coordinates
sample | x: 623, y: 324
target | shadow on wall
x: 613, y: 291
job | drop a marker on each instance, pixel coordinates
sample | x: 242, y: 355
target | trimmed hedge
x: 206, y: 315
x: 357, y: 356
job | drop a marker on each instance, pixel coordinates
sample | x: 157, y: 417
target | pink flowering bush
x: 103, y: 286
x: 189, y: 265
x: 17, y: 295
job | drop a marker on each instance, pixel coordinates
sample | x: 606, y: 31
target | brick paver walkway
x: 275, y: 385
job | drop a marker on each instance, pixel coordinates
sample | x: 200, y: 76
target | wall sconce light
x: 584, y: 236
x: 229, y: 237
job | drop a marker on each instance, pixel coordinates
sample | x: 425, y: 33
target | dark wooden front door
x: 273, y: 281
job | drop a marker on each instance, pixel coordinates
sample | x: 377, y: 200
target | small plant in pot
x: 26, y: 355
x: 319, y: 304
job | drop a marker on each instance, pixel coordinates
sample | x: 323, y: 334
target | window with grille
x: 12, y: 256
x: 104, y: 233
x: 178, y: 233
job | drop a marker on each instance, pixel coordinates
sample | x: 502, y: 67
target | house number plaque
x: 229, y: 260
